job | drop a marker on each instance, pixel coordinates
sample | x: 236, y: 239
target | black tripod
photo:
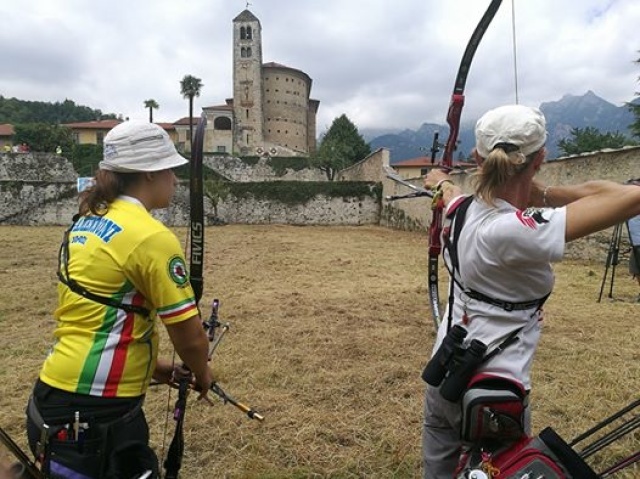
x: 612, y: 260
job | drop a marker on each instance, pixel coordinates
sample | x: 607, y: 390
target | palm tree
x: 190, y: 87
x: 151, y: 105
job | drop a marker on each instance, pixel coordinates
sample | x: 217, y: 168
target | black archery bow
x: 453, y: 120
x: 173, y: 462
x: 29, y: 468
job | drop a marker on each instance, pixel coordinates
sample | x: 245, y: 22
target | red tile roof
x: 425, y: 161
x: 94, y: 125
x: 185, y: 121
x: 421, y: 161
x: 6, y: 130
x: 108, y: 124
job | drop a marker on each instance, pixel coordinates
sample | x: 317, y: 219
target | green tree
x: 591, y: 139
x: 217, y: 190
x: 44, y: 137
x: 190, y: 87
x: 341, y: 146
x: 151, y: 104
x: 85, y: 158
x: 635, y: 109
x: 17, y: 111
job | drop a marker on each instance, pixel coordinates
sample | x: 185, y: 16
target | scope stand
x: 613, y: 256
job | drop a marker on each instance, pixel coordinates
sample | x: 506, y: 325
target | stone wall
x: 615, y: 165
x: 234, y: 169
x: 40, y: 189
x: 37, y: 202
x: 36, y: 188
x: 35, y: 167
x: 369, y: 169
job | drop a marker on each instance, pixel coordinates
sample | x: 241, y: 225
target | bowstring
x: 186, y: 249
x: 515, y: 53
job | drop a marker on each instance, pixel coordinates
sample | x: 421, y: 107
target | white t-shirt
x: 506, y: 254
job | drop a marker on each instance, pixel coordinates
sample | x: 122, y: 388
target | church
x: 271, y: 112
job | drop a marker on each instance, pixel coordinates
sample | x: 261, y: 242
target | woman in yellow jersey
x: 121, y: 271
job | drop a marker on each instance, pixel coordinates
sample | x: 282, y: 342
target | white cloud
x: 384, y: 64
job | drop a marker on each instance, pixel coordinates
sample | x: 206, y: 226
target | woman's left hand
x: 167, y: 372
x: 435, y: 176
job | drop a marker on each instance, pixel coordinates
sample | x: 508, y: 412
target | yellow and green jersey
x: 129, y: 256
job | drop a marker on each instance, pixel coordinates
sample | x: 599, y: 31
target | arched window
x: 249, y: 35
x: 243, y: 33
x: 222, y: 123
x: 243, y: 52
x: 248, y: 52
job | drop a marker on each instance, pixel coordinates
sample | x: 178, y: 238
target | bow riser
x: 173, y: 462
x: 196, y: 211
x: 454, y: 115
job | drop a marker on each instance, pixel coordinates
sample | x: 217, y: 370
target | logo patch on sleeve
x: 532, y: 217
x: 178, y: 271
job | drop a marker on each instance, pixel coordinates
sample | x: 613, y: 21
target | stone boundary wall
x: 615, y: 165
x: 40, y: 189
x: 234, y: 169
x: 369, y: 169
x: 321, y: 210
x: 36, y: 188
x: 34, y: 203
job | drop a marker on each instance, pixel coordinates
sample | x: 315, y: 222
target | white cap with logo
x: 138, y: 146
x: 521, y: 126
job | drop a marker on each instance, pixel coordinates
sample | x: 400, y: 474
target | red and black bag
x: 493, y: 410
x: 546, y: 455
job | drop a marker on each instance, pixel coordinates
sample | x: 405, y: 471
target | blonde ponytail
x: 503, y: 163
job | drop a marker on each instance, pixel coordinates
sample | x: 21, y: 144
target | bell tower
x: 247, y: 83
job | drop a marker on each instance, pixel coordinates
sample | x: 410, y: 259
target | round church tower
x: 272, y: 110
x: 286, y: 105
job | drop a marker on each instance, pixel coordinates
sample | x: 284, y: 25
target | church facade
x: 271, y: 112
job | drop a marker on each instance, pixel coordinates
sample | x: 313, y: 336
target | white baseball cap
x: 135, y: 146
x: 518, y: 125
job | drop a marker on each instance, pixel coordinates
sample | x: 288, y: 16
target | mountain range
x: 588, y: 110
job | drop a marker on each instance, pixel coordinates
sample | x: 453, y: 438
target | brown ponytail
x: 107, y: 187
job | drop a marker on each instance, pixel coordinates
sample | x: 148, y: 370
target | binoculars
x: 453, y: 365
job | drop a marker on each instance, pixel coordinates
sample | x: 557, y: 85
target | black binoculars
x: 453, y: 365
x: 438, y: 367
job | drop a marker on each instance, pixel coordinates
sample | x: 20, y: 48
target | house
x: 420, y: 166
x: 93, y: 132
x: 6, y: 136
x: 180, y: 132
x: 414, y: 167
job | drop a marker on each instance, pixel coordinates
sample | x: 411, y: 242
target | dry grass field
x: 330, y: 330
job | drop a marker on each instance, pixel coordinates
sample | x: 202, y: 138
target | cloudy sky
x: 386, y: 64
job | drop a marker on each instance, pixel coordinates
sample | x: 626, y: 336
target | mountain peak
x: 571, y: 111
